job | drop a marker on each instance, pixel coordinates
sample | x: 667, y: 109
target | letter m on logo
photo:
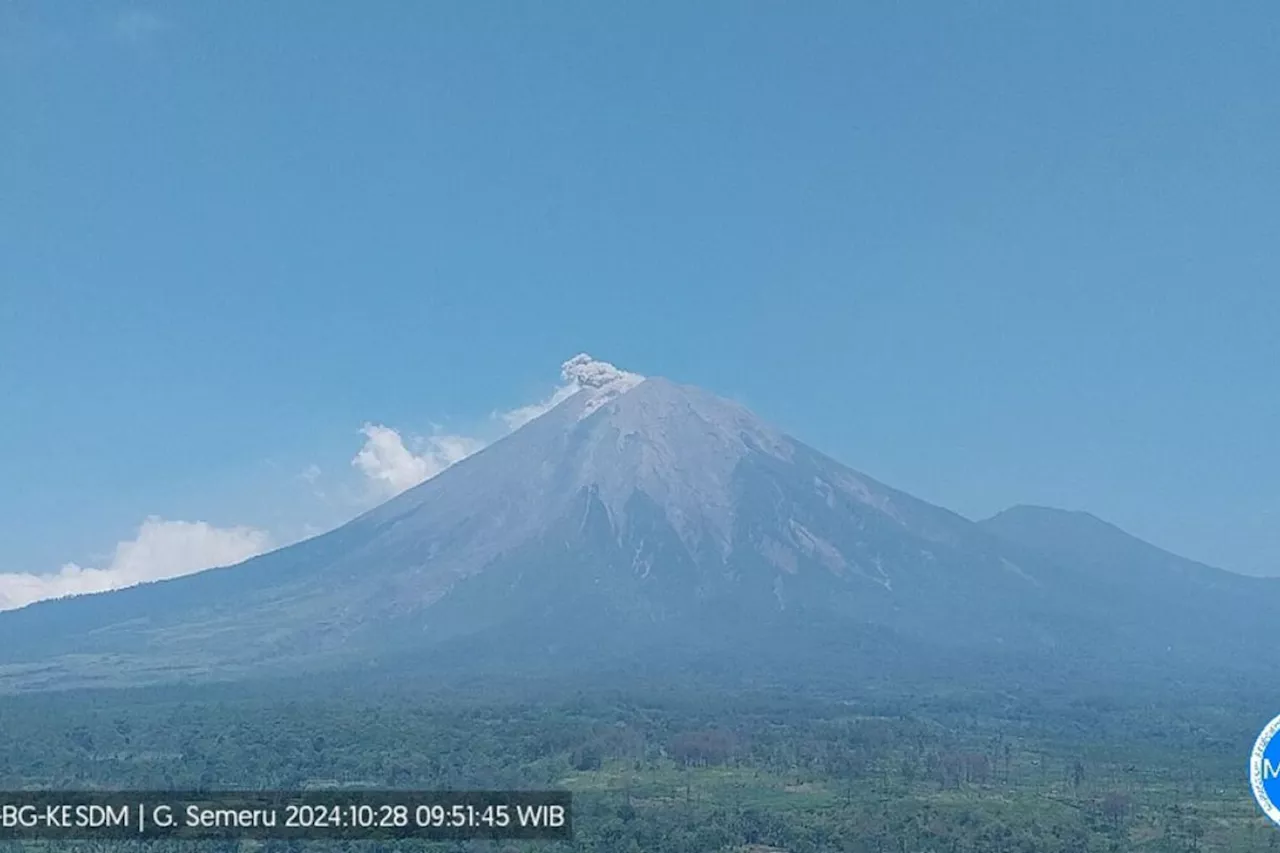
x: 1269, y: 770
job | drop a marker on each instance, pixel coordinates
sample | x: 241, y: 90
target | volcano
x: 637, y: 517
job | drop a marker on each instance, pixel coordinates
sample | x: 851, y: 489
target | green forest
x: 681, y: 767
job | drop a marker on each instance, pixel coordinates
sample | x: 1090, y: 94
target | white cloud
x: 162, y: 549
x: 392, y: 467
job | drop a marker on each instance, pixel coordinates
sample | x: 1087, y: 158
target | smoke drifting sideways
x: 587, y: 372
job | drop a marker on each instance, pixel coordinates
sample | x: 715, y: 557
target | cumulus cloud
x: 162, y: 549
x: 392, y: 467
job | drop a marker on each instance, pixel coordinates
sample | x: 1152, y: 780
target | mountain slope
x: 635, y: 516
x: 1154, y: 598
x: 1087, y: 542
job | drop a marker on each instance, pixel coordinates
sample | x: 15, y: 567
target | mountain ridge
x: 637, y: 513
x: 1070, y: 532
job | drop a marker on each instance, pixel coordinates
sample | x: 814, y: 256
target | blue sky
x: 989, y: 253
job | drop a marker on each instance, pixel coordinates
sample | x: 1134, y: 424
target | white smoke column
x: 600, y: 378
x: 578, y: 373
x: 392, y: 467
x: 586, y: 372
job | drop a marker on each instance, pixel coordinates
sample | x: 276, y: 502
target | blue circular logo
x: 1264, y: 771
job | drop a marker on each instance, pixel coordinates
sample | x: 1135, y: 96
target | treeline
x: 667, y: 771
